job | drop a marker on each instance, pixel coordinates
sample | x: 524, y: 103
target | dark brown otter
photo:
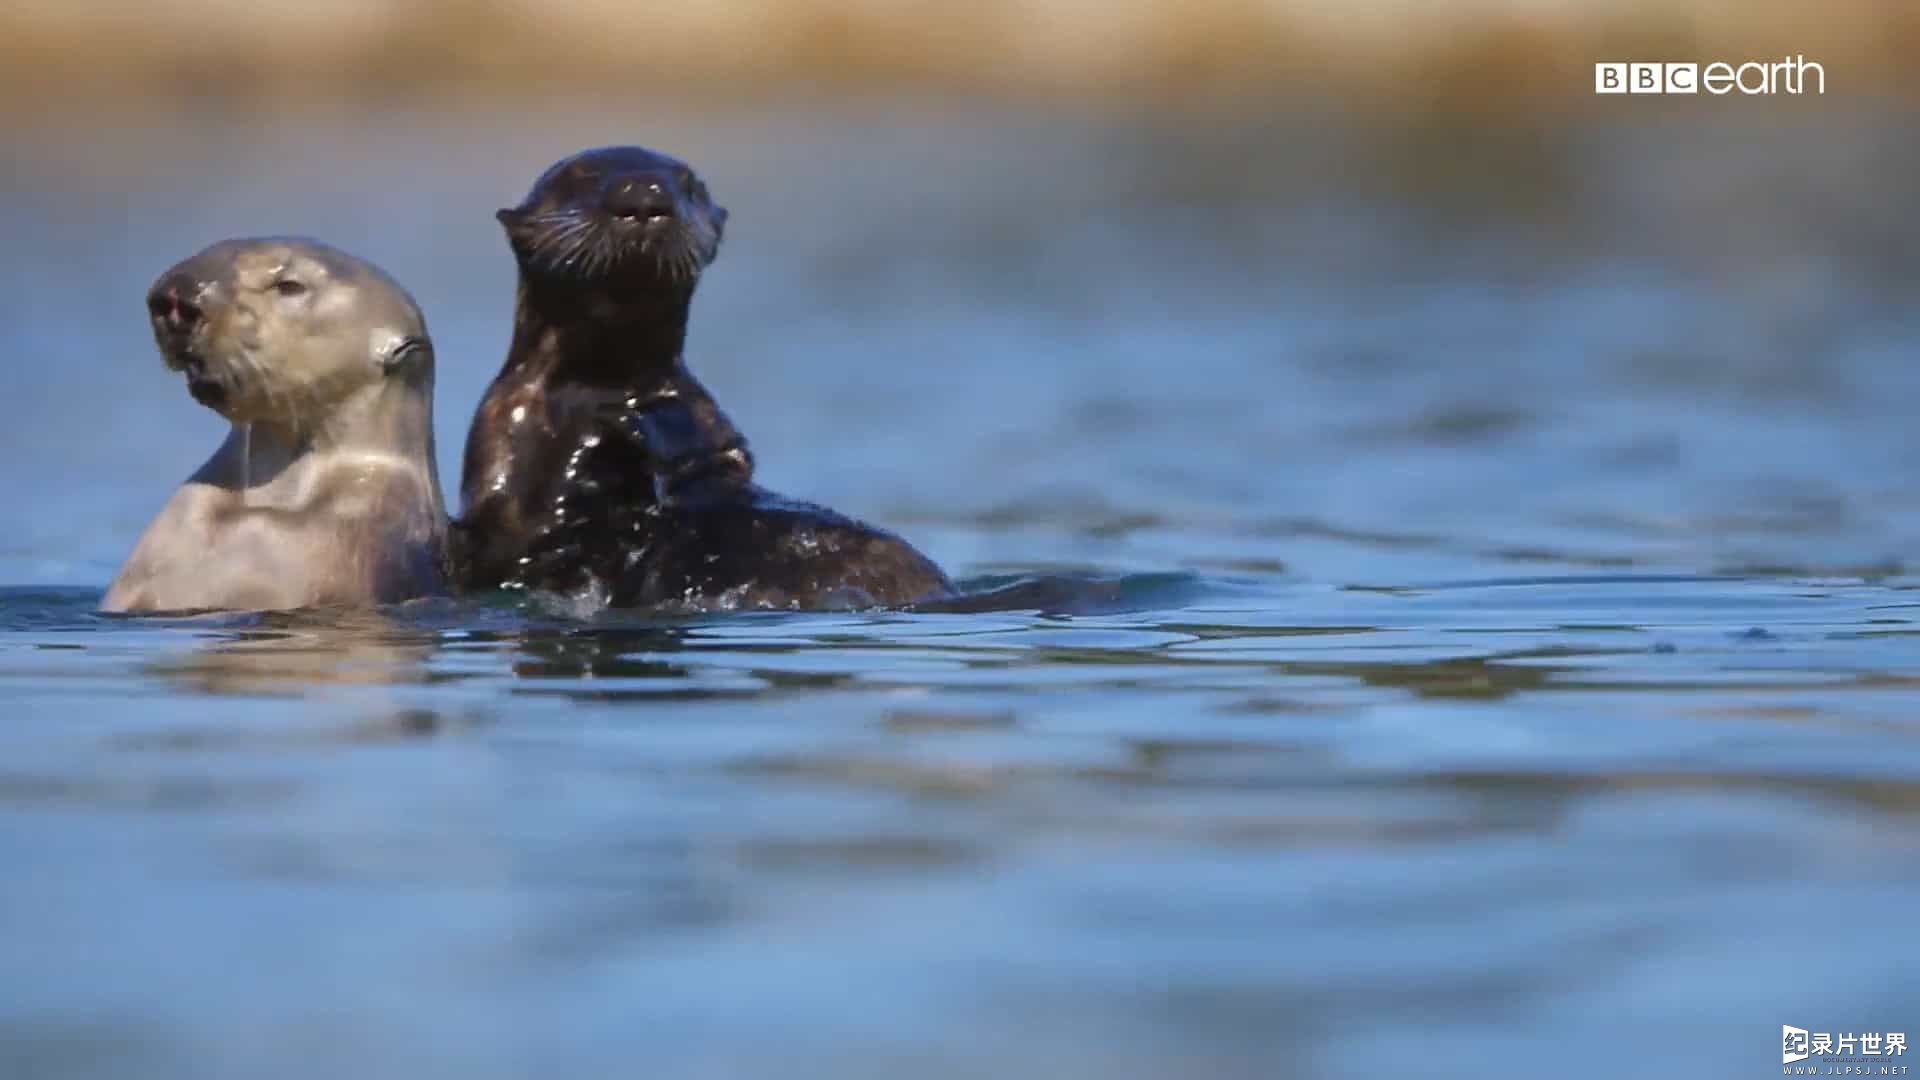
x: 597, y: 460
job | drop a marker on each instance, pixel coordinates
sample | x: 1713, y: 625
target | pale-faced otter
x: 325, y: 492
x: 596, y: 459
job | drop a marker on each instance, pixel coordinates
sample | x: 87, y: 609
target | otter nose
x: 638, y: 198
x: 171, y: 308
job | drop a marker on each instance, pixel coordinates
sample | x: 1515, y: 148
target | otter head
x: 619, y: 219
x: 280, y: 330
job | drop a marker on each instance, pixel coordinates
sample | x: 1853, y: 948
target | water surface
x: 1485, y: 636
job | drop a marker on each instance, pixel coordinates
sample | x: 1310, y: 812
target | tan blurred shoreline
x: 1491, y: 56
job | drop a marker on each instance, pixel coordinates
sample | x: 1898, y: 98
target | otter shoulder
x: 366, y: 538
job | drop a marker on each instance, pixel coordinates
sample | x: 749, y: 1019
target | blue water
x: 1475, y: 627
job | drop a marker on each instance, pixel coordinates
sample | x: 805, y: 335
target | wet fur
x: 329, y: 531
x: 324, y: 492
x: 598, y: 462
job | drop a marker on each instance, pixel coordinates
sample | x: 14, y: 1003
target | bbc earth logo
x: 1789, y: 75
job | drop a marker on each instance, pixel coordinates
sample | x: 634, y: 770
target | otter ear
x: 517, y: 221
x: 405, y: 352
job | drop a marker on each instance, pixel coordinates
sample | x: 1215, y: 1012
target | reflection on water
x: 1415, y: 625
x: 297, y: 653
x: 1278, y: 821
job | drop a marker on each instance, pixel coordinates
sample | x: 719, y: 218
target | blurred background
x: 1509, y: 492
x: 1235, y: 264
x: 1522, y: 54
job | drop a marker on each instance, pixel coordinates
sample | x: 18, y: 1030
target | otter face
x: 621, y: 214
x: 279, y: 329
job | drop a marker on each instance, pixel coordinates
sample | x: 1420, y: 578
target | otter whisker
x: 580, y: 246
x: 596, y: 255
x: 683, y: 262
x: 560, y: 241
x: 279, y: 401
x: 561, y: 249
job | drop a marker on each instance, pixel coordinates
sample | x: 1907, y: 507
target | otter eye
x: 289, y: 287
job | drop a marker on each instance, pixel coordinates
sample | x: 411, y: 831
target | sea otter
x: 597, y: 462
x: 324, y: 492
